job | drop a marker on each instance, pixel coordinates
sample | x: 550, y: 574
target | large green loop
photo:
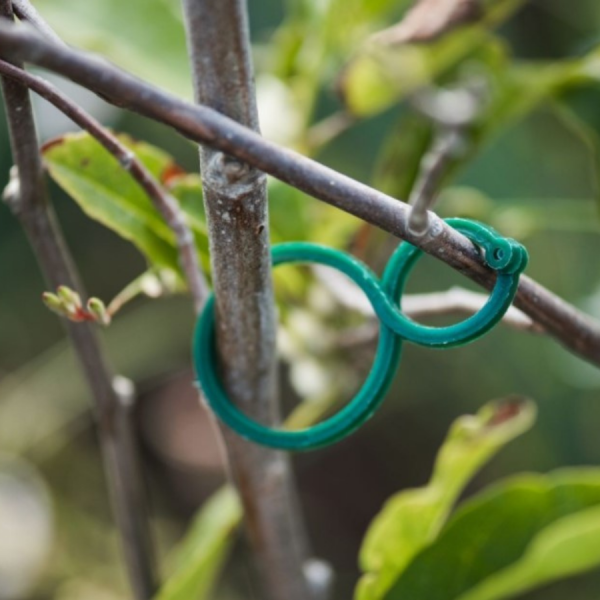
x: 506, y: 256
x: 349, y: 418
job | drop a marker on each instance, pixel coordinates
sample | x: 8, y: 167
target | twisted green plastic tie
x: 506, y: 256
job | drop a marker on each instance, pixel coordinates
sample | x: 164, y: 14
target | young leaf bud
x: 70, y: 299
x: 98, y: 310
x: 54, y: 303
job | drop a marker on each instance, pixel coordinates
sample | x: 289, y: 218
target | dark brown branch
x: 164, y: 202
x: 235, y: 198
x: 572, y: 328
x: 29, y: 201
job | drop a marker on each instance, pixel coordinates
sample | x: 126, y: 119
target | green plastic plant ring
x: 506, y: 256
x: 349, y: 418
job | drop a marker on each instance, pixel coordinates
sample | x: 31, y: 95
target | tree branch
x: 29, y: 202
x: 572, y: 328
x: 235, y: 199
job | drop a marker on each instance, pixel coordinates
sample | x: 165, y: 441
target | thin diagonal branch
x: 575, y: 330
x: 164, y: 202
x: 235, y: 198
x: 29, y: 202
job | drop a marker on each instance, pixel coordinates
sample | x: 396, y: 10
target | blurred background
x: 528, y: 165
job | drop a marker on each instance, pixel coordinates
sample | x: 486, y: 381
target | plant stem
x: 29, y: 202
x: 575, y: 330
x: 235, y: 199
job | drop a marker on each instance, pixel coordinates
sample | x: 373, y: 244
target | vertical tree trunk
x: 236, y: 206
x: 113, y: 397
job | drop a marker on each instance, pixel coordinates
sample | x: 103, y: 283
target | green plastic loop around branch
x: 506, y: 256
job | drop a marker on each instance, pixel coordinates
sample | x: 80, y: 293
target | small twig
x: 29, y: 202
x: 575, y: 330
x: 153, y: 284
x: 164, y: 202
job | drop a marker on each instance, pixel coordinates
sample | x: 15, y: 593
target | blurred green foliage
x: 518, y: 534
x: 529, y: 167
x: 412, y: 519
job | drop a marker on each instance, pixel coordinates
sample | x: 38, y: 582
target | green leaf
x: 518, y: 534
x: 567, y: 547
x: 380, y: 75
x: 200, y: 557
x: 413, y: 518
x: 106, y: 192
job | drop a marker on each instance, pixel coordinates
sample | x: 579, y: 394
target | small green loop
x: 513, y: 261
x: 507, y: 256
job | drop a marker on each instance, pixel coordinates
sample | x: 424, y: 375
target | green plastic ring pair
x: 504, y: 255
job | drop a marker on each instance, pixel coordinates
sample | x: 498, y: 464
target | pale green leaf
x: 567, y: 547
x: 200, y: 557
x: 413, y: 518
